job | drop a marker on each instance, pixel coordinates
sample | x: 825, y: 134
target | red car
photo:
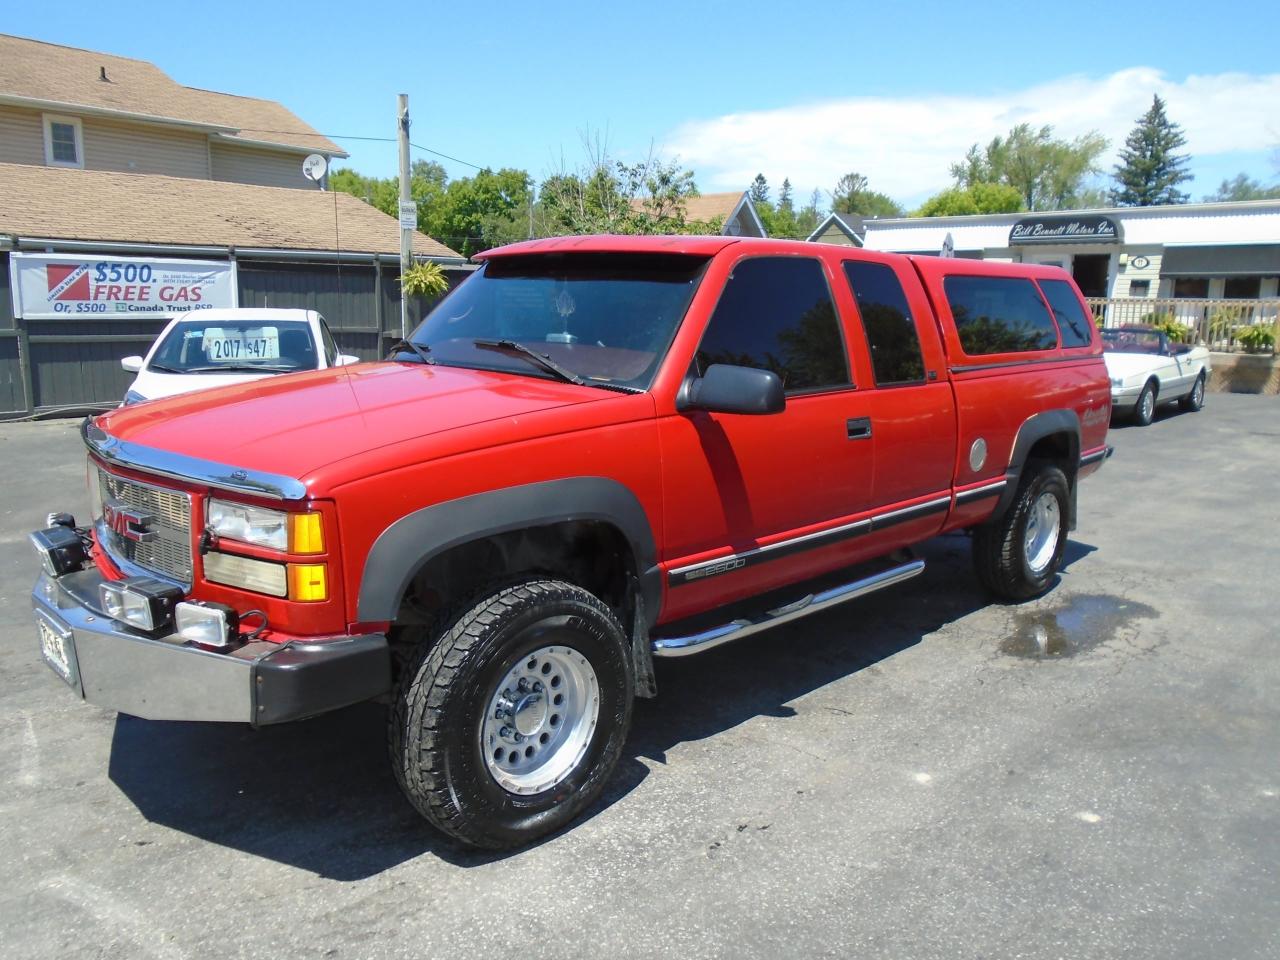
x: 594, y: 452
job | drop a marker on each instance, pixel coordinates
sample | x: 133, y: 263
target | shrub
x: 424, y: 280
x: 1255, y: 337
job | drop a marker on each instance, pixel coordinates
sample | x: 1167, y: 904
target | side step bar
x: 813, y: 603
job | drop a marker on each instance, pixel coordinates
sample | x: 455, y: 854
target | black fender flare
x: 413, y: 540
x: 1033, y: 429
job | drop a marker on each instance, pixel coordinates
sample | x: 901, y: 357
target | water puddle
x: 1080, y: 624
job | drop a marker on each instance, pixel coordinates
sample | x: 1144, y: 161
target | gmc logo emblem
x: 127, y: 522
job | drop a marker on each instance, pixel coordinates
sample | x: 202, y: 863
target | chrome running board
x: 813, y: 603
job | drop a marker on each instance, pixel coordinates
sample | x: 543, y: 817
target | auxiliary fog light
x: 60, y: 549
x: 208, y: 624
x: 142, y: 602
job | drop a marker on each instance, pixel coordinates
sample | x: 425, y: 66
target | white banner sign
x: 49, y: 286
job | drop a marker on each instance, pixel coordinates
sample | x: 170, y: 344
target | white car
x: 213, y: 348
x: 1147, y: 368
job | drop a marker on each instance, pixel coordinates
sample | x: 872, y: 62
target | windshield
x: 1130, y: 341
x: 607, y: 318
x: 273, y: 346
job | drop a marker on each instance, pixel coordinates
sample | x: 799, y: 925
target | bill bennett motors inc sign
x: 1068, y: 228
x: 52, y: 286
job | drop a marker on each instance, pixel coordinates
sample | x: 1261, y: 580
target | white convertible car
x: 1147, y: 368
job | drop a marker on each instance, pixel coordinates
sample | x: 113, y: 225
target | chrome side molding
x: 813, y: 603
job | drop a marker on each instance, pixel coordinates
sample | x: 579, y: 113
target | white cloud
x: 904, y: 145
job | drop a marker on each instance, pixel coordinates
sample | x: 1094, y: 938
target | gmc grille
x: 169, y: 554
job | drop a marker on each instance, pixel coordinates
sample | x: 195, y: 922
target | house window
x: 1191, y: 288
x: 1139, y: 288
x: 63, y: 142
x: 1242, y: 288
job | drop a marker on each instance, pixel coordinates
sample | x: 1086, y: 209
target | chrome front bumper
x: 167, y: 678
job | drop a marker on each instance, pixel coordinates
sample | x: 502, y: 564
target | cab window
x: 776, y: 313
x: 891, y: 332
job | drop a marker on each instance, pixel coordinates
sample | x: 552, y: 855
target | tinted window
x: 776, y: 313
x: 1073, y: 323
x: 999, y: 315
x: 895, y: 345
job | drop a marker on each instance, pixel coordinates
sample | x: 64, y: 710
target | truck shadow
x: 319, y: 795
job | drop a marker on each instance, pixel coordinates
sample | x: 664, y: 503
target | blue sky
x: 803, y: 90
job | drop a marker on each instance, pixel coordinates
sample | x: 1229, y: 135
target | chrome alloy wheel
x: 1044, y: 527
x: 540, y: 720
x: 1148, y: 401
x: 1197, y: 393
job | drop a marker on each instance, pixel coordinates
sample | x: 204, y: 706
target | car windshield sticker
x: 237, y: 344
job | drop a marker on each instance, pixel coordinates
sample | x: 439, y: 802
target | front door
x: 1089, y: 270
x: 755, y: 501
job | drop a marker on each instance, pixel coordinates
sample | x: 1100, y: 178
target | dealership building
x: 1201, y: 251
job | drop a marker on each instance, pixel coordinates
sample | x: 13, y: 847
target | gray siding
x: 21, y: 136
x: 264, y: 168
x: 72, y: 362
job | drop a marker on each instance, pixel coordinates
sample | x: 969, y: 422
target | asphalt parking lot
x: 919, y: 774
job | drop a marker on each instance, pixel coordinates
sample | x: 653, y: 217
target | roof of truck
x: 611, y: 243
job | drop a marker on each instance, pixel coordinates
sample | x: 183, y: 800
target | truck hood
x: 293, y: 424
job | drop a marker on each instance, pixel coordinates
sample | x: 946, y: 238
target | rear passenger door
x: 910, y: 404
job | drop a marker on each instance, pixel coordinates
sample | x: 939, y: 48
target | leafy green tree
x: 979, y: 198
x: 1149, y: 170
x: 853, y: 195
x: 1049, y: 174
x: 760, y: 189
x: 1243, y: 187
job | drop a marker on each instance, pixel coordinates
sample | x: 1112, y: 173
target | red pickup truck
x: 596, y: 451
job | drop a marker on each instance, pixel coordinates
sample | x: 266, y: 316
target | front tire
x: 509, y: 724
x: 1018, y: 554
x: 1144, y: 410
x: 1194, y: 400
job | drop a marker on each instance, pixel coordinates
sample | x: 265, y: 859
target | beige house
x: 80, y: 109
x: 111, y: 169
x: 733, y: 211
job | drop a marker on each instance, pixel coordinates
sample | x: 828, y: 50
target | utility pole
x: 408, y: 209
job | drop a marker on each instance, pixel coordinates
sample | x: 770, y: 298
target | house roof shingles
x: 55, y: 203
x: 48, y: 72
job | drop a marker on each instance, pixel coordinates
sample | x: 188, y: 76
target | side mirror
x: 729, y: 389
x: 345, y: 359
x: 131, y: 364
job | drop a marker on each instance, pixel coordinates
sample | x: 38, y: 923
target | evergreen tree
x: 760, y: 189
x: 1149, y: 170
x: 784, y: 195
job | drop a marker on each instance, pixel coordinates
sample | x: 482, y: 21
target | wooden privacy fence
x: 1219, y: 324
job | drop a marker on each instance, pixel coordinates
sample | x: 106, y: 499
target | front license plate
x: 57, y: 648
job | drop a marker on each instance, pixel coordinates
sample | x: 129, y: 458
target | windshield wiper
x: 541, y: 359
x: 164, y: 368
x: 420, y: 349
x: 242, y: 368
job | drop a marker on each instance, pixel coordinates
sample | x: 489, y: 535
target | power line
x: 346, y: 136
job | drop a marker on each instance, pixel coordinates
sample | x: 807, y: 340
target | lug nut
x: 506, y: 733
x: 523, y: 684
x: 537, y: 686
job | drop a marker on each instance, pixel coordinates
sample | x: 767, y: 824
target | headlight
x: 133, y: 396
x: 263, y: 527
x: 256, y: 525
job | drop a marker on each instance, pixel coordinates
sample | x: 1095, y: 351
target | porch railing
x: 1219, y: 324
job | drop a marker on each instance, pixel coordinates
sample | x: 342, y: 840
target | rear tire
x: 1144, y: 411
x: 1194, y: 400
x: 510, y: 723
x: 1018, y: 554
